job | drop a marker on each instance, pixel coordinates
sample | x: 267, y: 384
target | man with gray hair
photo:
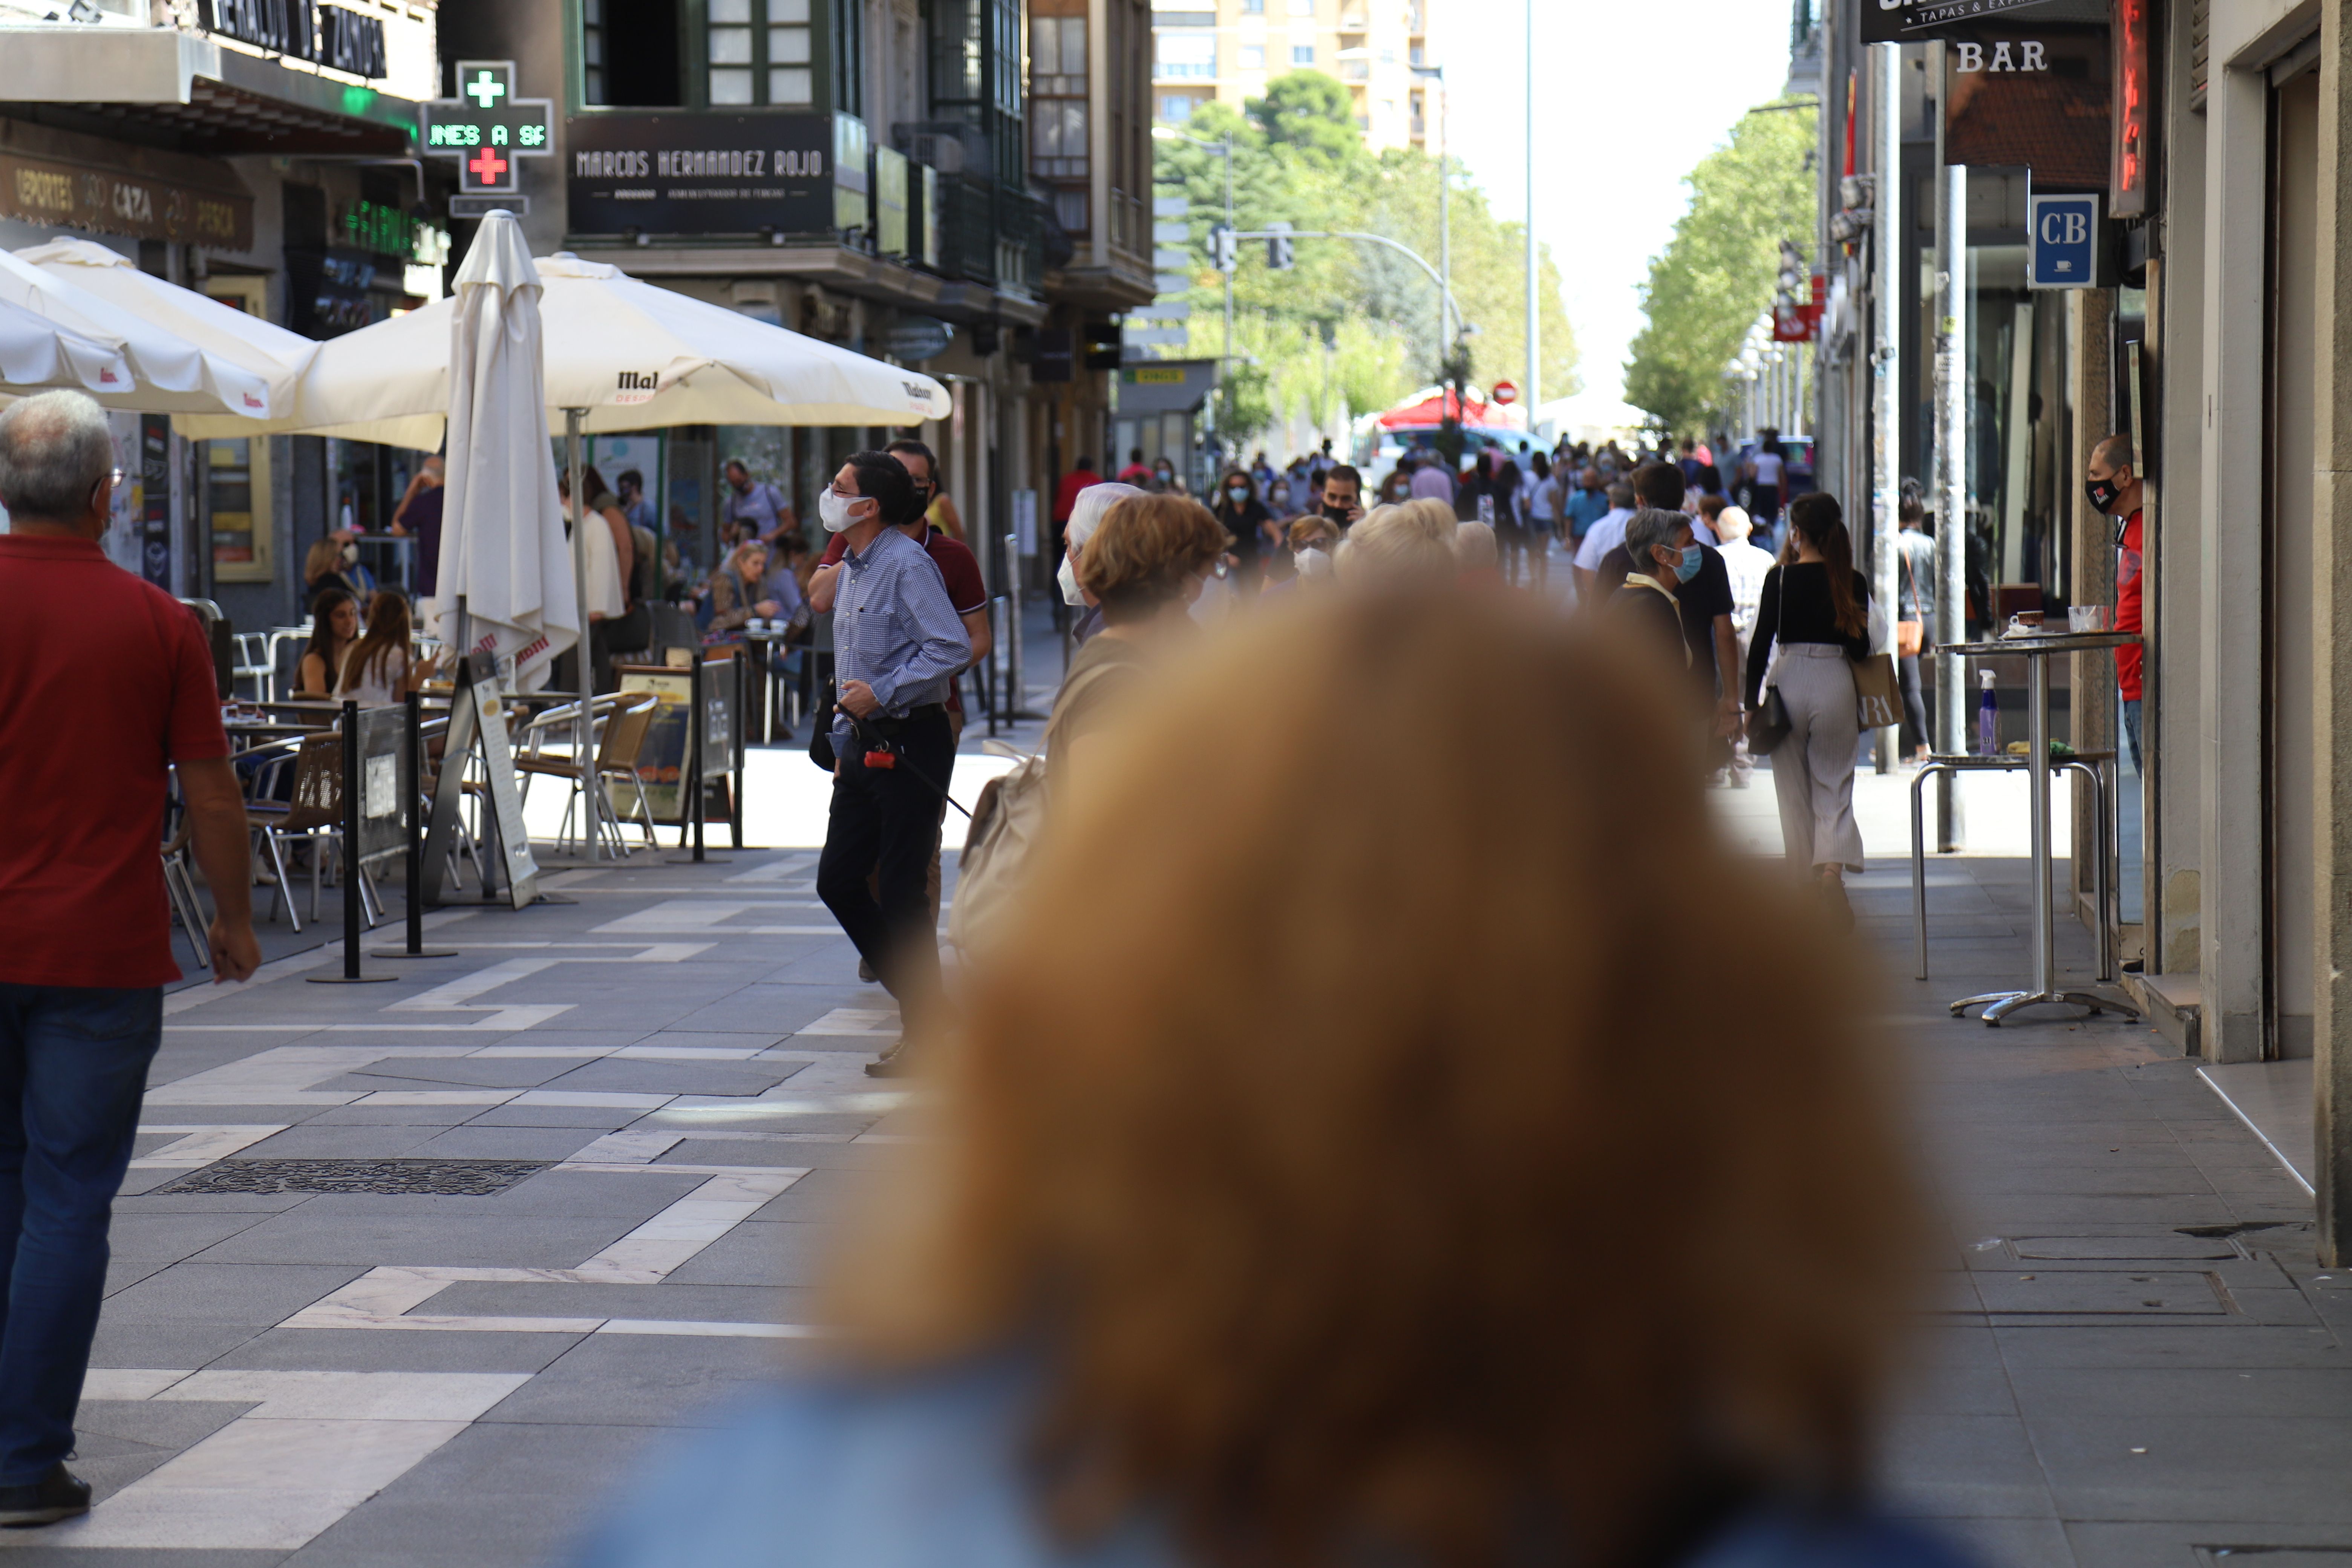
x: 1664, y: 557
x: 90, y: 652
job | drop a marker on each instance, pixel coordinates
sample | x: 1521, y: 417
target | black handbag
x: 820, y: 748
x: 1768, y: 724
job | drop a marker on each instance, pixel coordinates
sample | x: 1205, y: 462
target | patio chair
x: 314, y: 816
x: 622, y: 727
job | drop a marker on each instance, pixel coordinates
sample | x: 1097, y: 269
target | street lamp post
x: 1449, y: 368
x: 1222, y: 149
x: 1532, y: 393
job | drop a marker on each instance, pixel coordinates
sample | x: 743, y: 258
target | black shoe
x: 891, y: 1063
x: 866, y: 971
x: 56, y: 1496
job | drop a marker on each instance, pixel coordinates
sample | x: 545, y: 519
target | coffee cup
x: 2025, y: 621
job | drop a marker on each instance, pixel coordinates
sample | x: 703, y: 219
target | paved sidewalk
x: 648, y: 1111
x: 2136, y: 1361
x: 655, y: 1095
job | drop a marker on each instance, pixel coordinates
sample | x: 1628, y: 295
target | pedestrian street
x: 410, y: 1272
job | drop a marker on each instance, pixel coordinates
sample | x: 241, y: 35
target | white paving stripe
x: 387, y: 1296
x: 702, y: 917
x: 198, y: 1146
x: 315, y: 1445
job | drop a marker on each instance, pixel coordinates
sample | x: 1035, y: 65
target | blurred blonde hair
x: 1145, y: 548
x: 1474, y: 546
x: 1460, y: 1209
x: 1411, y: 538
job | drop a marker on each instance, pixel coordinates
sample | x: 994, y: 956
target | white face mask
x: 833, y: 510
x: 1313, y: 562
x: 1068, y: 578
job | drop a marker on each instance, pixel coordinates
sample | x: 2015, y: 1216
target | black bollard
x: 353, y: 789
x: 411, y: 762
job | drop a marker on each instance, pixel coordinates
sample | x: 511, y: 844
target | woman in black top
x: 1816, y: 612
x: 1244, y: 517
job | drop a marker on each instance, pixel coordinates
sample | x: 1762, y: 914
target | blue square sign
x: 2065, y: 242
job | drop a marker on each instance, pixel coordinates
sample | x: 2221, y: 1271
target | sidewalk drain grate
x: 465, y: 1178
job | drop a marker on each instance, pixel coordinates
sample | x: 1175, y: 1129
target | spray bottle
x: 1988, y: 718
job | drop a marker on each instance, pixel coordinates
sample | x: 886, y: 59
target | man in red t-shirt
x: 2113, y: 483
x: 959, y: 569
x: 106, y: 683
x: 1138, y: 471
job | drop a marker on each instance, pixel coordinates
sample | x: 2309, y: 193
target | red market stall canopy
x: 1433, y: 410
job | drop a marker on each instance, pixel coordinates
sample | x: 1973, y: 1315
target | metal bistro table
x: 2037, y: 651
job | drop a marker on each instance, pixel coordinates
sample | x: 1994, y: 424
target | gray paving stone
x: 597, y: 1118
x: 638, y: 1380
x: 1946, y: 1465
x: 508, y: 1143
x: 2281, y: 1468
x: 456, y: 1072
x: 691, y: 1302
x: 309, y: 1142
x: 619, y: 1074
x: 167, y: 1238
x: 394, y: 1349
x: 2013, y: 1543
x: 510, y: 1240
x: 793, y: 1252
x: 259, y: 1295
x: 178, y: 1345
x: 498, y: 1494
x: 2120, y: 1544
x: 25, y: 1549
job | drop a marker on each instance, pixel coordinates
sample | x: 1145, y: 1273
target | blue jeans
x: 73, y: 1067
x: 2131, y: 731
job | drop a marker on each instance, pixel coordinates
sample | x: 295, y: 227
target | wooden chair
x: 623, y: 726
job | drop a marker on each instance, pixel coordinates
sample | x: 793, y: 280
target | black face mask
x: 2102, y: 493
x: 1335, y: 511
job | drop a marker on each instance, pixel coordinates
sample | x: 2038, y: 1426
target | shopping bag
x: 1878, y: 694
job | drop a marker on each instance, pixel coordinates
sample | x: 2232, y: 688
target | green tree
x: 1351, y: 327
x: 1715, y: 275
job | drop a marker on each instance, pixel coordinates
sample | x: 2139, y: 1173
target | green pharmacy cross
x: 486, y: 128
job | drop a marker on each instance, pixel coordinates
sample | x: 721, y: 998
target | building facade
x: 267, y: 157
x: 2206, y: 327
x: 898, y: 176
x: 1225, y: 51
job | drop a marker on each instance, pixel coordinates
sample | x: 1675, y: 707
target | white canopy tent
x: 618, y: 355
x: 222, y: 334
x: 171, y: 373
x: 625, y: 354
x: 36, y: 353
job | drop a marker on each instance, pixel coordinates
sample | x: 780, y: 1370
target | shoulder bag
x: 1769, y: 725
x: 1910, y: 635
x: 1877, y: 691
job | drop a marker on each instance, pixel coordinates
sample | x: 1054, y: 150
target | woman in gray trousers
x: 1813, y: 623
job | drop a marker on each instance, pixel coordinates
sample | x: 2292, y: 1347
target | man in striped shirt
x: 898, y: 647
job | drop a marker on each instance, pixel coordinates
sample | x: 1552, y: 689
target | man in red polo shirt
x: 106, y: 684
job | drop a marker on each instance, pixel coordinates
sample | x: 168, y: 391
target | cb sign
x: 2064, y: 249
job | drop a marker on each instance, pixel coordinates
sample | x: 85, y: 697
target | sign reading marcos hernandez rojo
x: 700, y: 173
x: 106, y: 202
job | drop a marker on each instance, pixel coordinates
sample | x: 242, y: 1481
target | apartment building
x: 1225, y: 51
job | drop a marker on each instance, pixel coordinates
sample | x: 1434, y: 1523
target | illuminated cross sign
x: 486, y: 128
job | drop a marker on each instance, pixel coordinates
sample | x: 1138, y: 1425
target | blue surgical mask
x: 1687, y: 567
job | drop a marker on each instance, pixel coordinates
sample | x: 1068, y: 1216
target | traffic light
x: 1222, y: 249
x: 1281, y: 251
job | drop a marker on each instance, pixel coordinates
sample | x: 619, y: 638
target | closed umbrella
x: 37, y: 352
x: 505, y: 568
x: 626, y: 355
x: 222, y: 332
x: 170, y: 374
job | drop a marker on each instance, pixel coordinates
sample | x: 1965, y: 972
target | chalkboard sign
x: 384, y: 814
x: 478, y: 714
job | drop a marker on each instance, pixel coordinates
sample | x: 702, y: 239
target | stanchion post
x: 412, y: 789
x: 353, y: 790
x: 694, y: 727
x: 737, y: 735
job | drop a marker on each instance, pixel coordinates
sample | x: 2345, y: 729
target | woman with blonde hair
x: 1143, y: 568
x: 1250, y: 1232
x: 1410, y: 542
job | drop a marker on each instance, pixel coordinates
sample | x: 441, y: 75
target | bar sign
x: 2065, y: 242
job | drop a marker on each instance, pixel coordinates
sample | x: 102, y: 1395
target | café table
x: 2038, y: 651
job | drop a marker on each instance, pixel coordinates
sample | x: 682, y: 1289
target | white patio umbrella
x: 222, y: 332
x: 36, y: 351
x: 625, y: 354
x: 170, y: 374
x: 509, y: 584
